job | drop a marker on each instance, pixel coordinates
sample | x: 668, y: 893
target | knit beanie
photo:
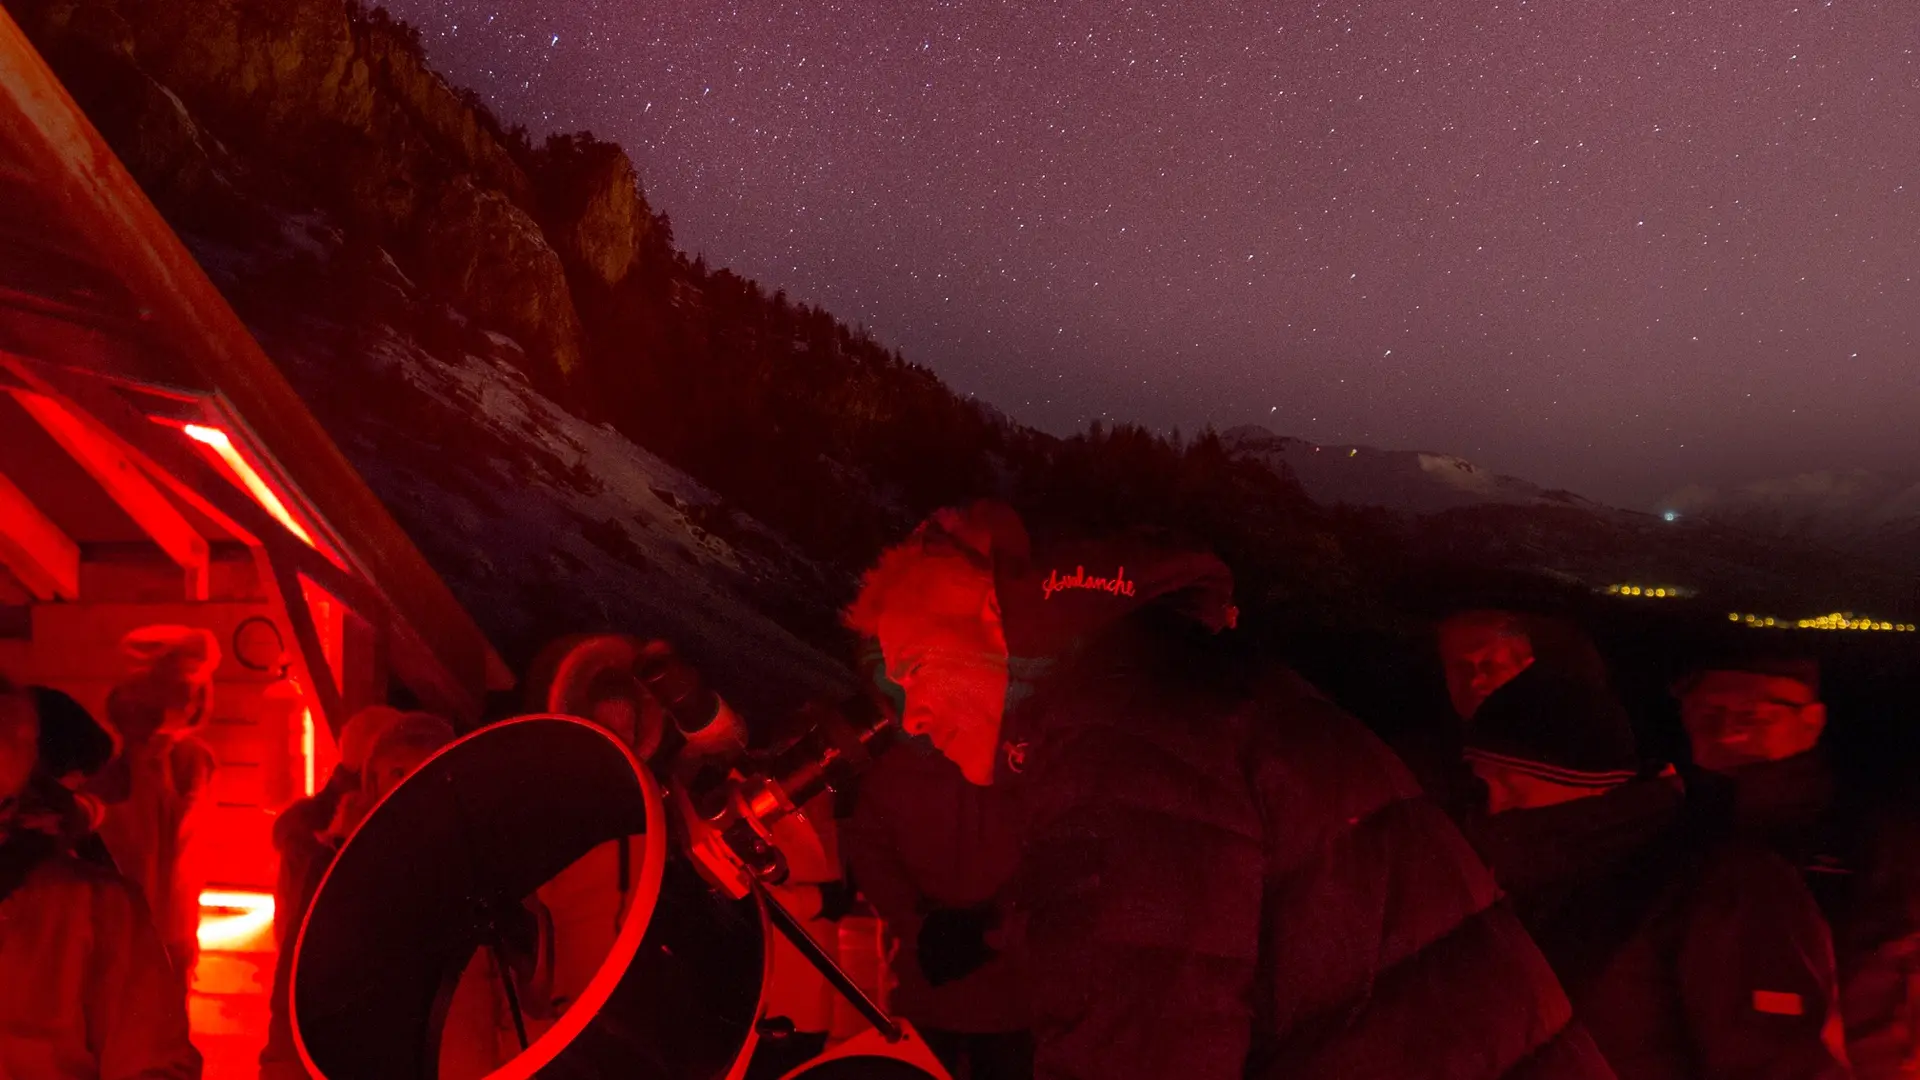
x: 1556, y: 728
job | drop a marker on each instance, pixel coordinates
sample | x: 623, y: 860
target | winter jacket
x: 1732, y: 974
x: 86, y: 991
x: 150, y: 835
x: 1878, y: 950
x: 1583, y: 875
x: 1226, y: 876
x: 297, y: 840
x: 293, y: 895
x: 923, y: 840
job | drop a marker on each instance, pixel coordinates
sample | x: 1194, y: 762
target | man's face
x: 954, y: 673
x: 19, y: 743
x: 1736, y: 718
x: 1481, y: 658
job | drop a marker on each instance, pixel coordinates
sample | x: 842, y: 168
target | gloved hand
x: 953, y: 942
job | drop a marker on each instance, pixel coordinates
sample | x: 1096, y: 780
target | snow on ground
x: 543, y: 523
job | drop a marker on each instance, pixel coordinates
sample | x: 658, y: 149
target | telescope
x: 437, y: 900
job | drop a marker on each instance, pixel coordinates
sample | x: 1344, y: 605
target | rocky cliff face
x: 490, y: 253
x: 340, y: 106
x: 152, y: 130
x: 593, y: 208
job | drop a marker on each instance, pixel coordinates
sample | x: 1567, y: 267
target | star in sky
x: 1608, y: 247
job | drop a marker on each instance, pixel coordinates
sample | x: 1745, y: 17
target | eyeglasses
x: 1767, y: 708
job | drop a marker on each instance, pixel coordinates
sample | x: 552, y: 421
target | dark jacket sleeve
x: 1756, y: 974
x: 867, y: 844
x: 1141, y: 889
x: 1879, y: 958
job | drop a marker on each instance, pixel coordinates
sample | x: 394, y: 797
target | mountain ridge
x: 1409, y: 481
x: 382, y: 233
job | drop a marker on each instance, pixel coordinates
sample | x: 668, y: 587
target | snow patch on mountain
x: 1408, y: 481
x: 542, y: 522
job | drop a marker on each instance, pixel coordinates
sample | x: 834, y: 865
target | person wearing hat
x: 1733, y: 971
x: 1575, y: 828
x: 934, y: 854
x: 1222, y: 875
x: 155, y: 791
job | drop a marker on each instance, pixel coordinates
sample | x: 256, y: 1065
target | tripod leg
x: 513, y: 996
x: 791, y: 929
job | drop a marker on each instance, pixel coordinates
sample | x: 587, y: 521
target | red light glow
x: 219, y: 443
x: 306, y: 750
x: 231, y: 919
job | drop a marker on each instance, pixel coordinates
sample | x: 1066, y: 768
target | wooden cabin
x: 155, y: 467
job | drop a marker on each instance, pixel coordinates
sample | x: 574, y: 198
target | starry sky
x: 1611, y: 246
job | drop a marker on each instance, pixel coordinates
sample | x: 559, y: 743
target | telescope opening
x: 398, y: 962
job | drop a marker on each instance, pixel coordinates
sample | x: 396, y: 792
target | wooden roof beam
x: 129, y: 488
x: 40, y: 554
x: 193, y: 481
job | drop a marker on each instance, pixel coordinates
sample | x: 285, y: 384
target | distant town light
x: 1839, y: 620
x: 1661, y: 592
x: 1671, y: 515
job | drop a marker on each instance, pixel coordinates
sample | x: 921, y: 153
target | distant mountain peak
x: 1410, y: 481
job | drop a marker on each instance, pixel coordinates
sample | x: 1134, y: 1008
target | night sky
x: 1609, y: 246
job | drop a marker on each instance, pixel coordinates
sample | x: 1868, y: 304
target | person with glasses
x: 1221, y: 875
x: 1733, y: 973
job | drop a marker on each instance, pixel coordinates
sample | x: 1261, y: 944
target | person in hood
x: 157, y: 790
x: 74, y: 748
x: 1576, y: 830
x: 299, y: 832
x: 1482, y: 651
x: 1223, y: 875
x: 86, y: 989
x: 1733, y: 973
x: 935, y: 855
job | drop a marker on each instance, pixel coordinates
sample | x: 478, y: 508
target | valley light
x: 1659, y: 592
x: 1671, y: 515
x: 1838, y: 620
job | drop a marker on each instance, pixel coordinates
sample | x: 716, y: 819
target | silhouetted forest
x: 842, y: 443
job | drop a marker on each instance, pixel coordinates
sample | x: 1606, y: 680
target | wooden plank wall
x: 255, y: 734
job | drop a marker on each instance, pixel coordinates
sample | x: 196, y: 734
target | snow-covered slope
x: 543, y: 523
x: 1409, y: 481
